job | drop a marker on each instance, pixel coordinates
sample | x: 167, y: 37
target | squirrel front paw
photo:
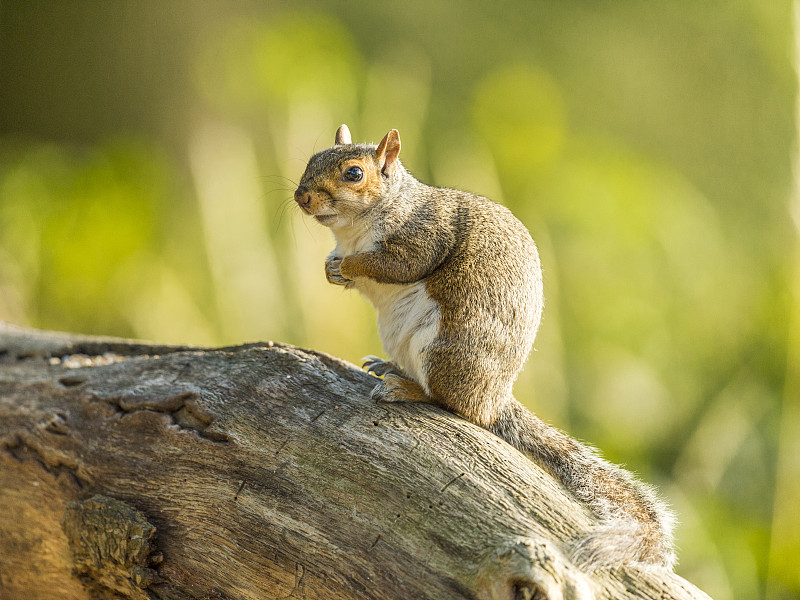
x: 333, y: 266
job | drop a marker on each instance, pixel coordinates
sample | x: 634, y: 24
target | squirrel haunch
x: 457, y: 284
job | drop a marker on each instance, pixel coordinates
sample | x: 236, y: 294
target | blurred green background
x: 149, y: 150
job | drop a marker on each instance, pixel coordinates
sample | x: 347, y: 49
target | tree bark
x: 134, y: 470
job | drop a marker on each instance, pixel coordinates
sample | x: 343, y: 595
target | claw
x: 378, y: 392
x: 333, y: 272
x: 339, y: 280
x: 377, y: 366
x: 370, y: 359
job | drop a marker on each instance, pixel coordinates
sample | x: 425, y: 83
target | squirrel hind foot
x: 395, y: 388
x: 621, y: 541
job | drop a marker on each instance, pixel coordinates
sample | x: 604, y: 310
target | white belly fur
x: 408, y: 318
x: 408, y: 322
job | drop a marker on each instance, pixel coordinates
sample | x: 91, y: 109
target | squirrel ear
x: 387, y: 151
x: 343, y: 135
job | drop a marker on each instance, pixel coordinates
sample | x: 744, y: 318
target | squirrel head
x: 346, y: 180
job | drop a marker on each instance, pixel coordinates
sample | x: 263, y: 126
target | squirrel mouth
x: 326, y: 219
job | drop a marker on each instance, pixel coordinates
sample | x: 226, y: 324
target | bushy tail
x: 635, y: 526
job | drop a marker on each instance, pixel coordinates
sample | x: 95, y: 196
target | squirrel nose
x: 302, y: 197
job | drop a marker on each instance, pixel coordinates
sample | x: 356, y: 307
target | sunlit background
x: 149, y: 150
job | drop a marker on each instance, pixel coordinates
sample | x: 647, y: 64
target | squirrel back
x: 457, y: 284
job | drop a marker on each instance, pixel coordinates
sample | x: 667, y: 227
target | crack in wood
x: 58, y: 424
x: 451, y: 482
x: 69, y: 381
x: 283, y: 445
x: 319, y: 415
x: 239, y: 491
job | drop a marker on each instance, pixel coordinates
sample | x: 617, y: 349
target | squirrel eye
x: 354, y: 174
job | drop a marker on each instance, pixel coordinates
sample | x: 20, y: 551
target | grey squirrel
x: 457, y: 284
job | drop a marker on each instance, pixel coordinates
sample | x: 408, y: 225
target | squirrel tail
x: 635, y: 525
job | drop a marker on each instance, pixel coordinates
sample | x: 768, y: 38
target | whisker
x: 281, y: 210
x: 277, y: 189
x: 304, y: 221
x: 316, y: 141
x: 302, y: 161
x: 286, y: 179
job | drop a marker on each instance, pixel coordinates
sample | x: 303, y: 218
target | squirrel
x: 457, y: 285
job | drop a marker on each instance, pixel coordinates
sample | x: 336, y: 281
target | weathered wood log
x: 131, y: 470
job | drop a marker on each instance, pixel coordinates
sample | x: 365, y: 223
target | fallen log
x: 135, y: 470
